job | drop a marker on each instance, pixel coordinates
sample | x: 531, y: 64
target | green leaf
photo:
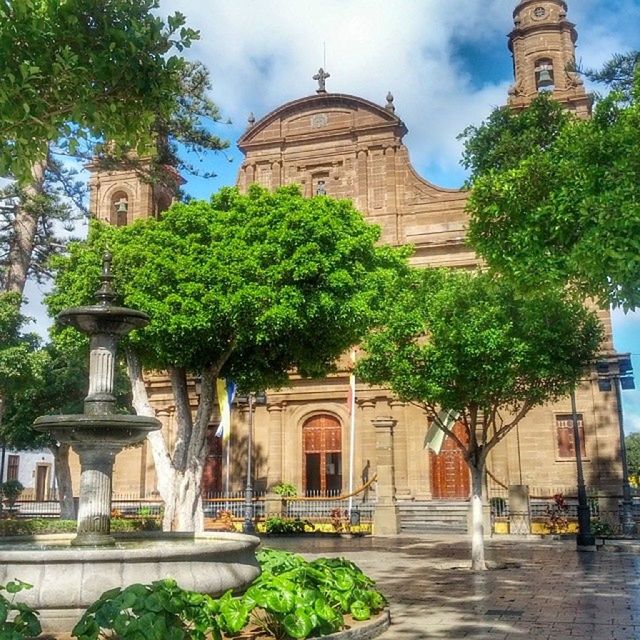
x: 360, y: 610
x: 297, y: 624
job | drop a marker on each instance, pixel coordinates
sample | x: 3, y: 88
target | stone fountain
x: 69, y: 574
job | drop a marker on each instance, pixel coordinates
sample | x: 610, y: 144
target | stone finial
x: 321, y: 77
x: 251, y: 120
x: 105, y: 294
x: 389, y: 106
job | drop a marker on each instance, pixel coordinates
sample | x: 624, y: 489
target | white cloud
x: 262, y: 54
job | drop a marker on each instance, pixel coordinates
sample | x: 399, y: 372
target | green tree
x: 632, y: 443
x: 78, y: 73
x: 569, y: 211
x: 247, y: 287
x: 81, y: 69
x: 468, y: 343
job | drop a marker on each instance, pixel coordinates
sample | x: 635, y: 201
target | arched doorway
x: 322, y: 451
x: 449, y: 472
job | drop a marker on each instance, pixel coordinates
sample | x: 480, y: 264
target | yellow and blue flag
x: 226, y: 392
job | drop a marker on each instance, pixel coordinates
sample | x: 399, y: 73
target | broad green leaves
x: 17, y: 620
x: 292, y: 598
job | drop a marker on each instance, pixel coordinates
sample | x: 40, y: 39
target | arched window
x: 119, y: 209
x: 545, y: 80
x: 322, y: 451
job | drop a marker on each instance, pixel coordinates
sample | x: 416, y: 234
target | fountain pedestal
x: 94, y: 512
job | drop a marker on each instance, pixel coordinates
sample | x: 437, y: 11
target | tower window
x: 544, y: 75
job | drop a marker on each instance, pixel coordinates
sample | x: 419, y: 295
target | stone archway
x: 322, y: 454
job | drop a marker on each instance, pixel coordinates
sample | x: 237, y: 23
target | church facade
x: 345, y: 146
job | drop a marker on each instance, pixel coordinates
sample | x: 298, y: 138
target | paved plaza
x: 539, y: 590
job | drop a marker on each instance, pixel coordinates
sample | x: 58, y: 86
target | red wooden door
x: 212, y: 471
x: 450, y: 478
x: 322, y: 452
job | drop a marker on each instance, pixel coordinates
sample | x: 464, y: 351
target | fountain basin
x: 67, y: 580
x: 109, y: 429
x: 103, y: 319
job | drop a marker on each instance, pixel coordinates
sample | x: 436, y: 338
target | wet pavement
x: 540, y: 590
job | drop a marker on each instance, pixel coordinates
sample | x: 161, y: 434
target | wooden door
x: 322, y: 454
x: 212, y: 471
x: 450, y: 479
x: 42, y: 475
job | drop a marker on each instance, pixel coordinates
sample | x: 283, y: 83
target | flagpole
x: 352, y: 432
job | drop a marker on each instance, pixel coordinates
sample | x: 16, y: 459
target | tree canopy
x: 569, y: 211
x: 470, y: 345
x: 80, y: 69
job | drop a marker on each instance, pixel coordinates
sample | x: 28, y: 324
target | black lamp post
x: 250, y: 400
x: 584, y: 538
x: 622, y: 379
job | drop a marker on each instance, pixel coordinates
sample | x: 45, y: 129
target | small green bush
x: 276, y: 524
x: 286, y: 490
x: 601, y: 528
x: 11, y: 491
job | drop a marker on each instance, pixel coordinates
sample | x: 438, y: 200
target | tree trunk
x: 161, y: 459
x: 179, y: 479
x: 25, y: 226
x: 477, y: 518
x: 186, y: 509
x: 63, y: 480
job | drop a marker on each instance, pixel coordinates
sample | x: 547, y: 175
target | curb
x: 365, y: 630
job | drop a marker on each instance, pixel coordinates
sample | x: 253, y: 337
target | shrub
x: 286, y: 490
x: 601, y: 528
x: 557, y: 514
x: 11, y: 490
x: 276, y: 524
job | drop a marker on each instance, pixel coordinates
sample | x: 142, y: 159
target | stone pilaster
x: 386, y: 520
x: 274, y: 473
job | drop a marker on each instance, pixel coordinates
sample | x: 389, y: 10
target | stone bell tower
x: 121, y: 195
x: 543, y: 45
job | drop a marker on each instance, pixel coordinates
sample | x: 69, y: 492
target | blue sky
x: 445, y: 61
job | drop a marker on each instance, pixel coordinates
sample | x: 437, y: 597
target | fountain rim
x: 222, y: 542
x: 89, y: 420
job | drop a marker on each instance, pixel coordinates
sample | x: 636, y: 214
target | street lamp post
x: 250, y: 400
x: 621, y: 379
x: 584, y: 538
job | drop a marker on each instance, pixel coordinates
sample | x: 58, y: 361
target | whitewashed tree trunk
x: 179, y: 476
x: 63, y: 480
x: 477, y: 518
x: 161, y: 458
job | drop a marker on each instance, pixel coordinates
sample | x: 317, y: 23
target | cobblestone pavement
x: 537, y: 590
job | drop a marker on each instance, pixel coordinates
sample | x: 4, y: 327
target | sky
x: 446, y: 63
